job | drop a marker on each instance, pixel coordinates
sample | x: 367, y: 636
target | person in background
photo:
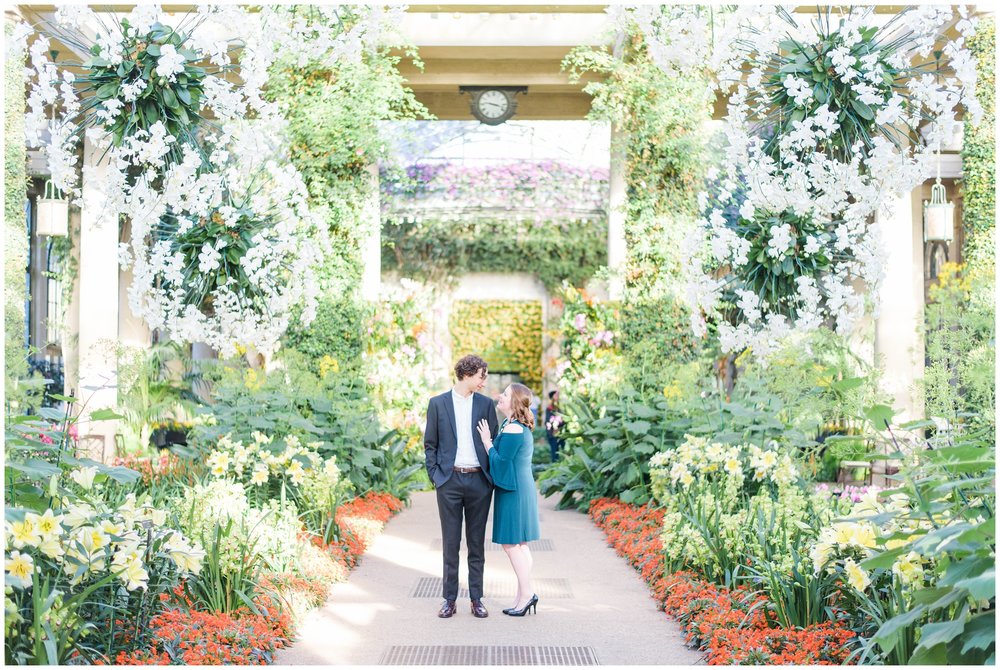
x: 553, y: 425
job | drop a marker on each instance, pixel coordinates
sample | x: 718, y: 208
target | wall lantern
x: 53, y: 213
x: 939, y: 215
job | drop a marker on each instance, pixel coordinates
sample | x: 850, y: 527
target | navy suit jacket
x: 441, y: 437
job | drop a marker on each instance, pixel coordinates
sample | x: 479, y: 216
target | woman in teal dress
x: 515, y: 502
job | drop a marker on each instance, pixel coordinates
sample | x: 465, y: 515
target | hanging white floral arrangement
x: 823, y: 124
x: 222, y: 240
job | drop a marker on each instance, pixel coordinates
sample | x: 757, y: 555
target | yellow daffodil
x: 112, y: 528
x: 843, y: 533
x: 92, y: 538
x: 260, y: 475
x: 909, y: 569
x: 24, y: 532
x: 820, y: 554
x: 48, y: 523
x: 864, y: 535
x: 296, y: 473
x: 856, y: 575
x: 218, y: 462
x: 51, y: 547
x: 78, y: 515
x: 19, y: 568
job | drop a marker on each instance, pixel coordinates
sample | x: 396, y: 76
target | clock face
x: 493, y: 104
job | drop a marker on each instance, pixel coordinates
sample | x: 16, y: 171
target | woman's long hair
x: 520, y: 405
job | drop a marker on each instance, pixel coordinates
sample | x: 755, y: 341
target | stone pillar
x: 616, y: 216
x: 98, y: 281
x: 899, y: 345
x: 132, y: 329
x: 371, y: 239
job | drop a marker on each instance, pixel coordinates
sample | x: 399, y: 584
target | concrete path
x: 593, y: 608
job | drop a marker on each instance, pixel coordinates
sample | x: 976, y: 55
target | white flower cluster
x: 220, y: 509
x: 152, y: 172
x: 277, y: 263
x: 841, y: 195
x: 87, y: 543
x: 262, y: 460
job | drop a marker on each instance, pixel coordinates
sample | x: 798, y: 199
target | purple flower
x: 580, y: 322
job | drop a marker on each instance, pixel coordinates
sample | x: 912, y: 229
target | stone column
x: 899, y: 345
x: 616, y: 216
x: 371, y: 239
x: 98, y: 281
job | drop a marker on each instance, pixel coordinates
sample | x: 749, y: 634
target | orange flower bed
x: 363, y: 518
x: 182, y: 635
x: 729, y: 624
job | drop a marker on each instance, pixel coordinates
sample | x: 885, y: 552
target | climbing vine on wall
x: 506, y: 333
x: 333, y: 113
x: 15, y: 232
x: 660, y: 118
x: 979, y: 157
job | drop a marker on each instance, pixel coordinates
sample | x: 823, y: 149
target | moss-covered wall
x: 506, y: 333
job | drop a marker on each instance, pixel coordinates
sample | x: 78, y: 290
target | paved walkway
x: 593, y: 608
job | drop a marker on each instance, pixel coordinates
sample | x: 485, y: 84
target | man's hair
x: 552, y: 394
x: 469, y: 366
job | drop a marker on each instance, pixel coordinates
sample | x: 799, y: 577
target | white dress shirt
x: 465, y: 456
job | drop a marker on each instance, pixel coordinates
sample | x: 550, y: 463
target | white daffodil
x: 84, y: 477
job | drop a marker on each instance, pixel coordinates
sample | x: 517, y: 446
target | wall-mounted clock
x: 493, y: 105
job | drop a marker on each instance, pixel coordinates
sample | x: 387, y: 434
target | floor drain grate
x: 534, y: 545
x: 431, y: 587
x: 487, y: 655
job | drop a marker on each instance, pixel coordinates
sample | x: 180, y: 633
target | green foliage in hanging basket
x: 215, y: 253
x: 854, y: 105
x: 168, y: 94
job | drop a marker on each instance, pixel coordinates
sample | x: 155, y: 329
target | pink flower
x: 580, y: 322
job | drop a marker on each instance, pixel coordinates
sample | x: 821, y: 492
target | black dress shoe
x: 447, y: 609
x: 479, y: 609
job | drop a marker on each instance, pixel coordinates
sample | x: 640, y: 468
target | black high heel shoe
x: 531, y: 605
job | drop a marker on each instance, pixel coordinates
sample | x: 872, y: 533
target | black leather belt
x: 466, y: 471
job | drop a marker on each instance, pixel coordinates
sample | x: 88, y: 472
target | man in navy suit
x: 457, y: 464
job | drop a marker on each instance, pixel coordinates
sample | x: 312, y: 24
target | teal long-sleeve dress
x: 515, y: 501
